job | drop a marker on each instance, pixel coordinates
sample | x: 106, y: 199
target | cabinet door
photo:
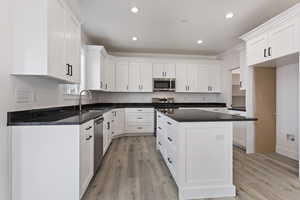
x: 214, y: 80
x: 283, y: 40
x: 134, y: 77
x: 93, y: 60
x: 110, y: 78
x: 181, y: 78
x: 118, y: 122
x: 73, y: 48
x: 192, y: 77
x: 203, y: 79
x: 56, y: 40
x: 102, y: 72
x: 257, y: 50
x: 121, y: 77
x: 158, y: 71
x: 170, y: 71
x: 86, y: 155
x: 146, y: 81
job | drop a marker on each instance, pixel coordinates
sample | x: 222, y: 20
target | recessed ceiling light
x: 134, y: 38
x: 134, y: 9
x: 199, y: 41
x: 229, y: 15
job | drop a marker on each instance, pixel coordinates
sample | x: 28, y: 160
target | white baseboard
x: 287, y: 152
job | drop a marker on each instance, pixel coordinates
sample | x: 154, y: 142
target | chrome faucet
x: 80, y: 98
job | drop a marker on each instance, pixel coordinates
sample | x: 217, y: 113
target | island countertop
x: 197, y: 115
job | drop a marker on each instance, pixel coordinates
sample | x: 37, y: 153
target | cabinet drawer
x: 171, y: 131
x: 88, y: 128
x: 139, y: 110
x: 139, y: 128
x: 140, y: 117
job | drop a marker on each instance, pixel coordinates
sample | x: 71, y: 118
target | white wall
x: 287, y: 109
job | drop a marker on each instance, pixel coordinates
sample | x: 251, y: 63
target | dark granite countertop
x: 243, y: 109
x: 69, y: 115
x: 196, y: 115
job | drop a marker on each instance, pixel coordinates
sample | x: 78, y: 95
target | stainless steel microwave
x: 164, y: 85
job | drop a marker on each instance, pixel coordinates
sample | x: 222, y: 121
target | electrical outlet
x: 290, y: 137
x: 24, y: 96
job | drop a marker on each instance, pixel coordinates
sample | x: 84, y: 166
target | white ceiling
x: 174, y: 26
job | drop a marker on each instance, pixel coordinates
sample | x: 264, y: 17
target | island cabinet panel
x: 198, y: 155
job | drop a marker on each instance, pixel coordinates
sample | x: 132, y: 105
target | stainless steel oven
x: 164, y: 85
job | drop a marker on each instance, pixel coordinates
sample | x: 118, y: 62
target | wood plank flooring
x: 134, y: 170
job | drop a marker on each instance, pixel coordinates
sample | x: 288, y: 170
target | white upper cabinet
x: 122, y: 77
x: 192, y: 77
x: 257, y: 49
x: 146, y: 81
x: 134, y: 77
x: 46, y: 40
x: 214, y: 77
x: 283, y: 39
x: 164, y: 71
x: 73, y: 48
x: 140, y: 77
x: 196, y: 78
x: 95, y: 67
x: 203, y: 79
x: 109, y: 72
x: 280, y: 40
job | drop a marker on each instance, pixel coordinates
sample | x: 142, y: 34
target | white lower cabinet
x: 118, y: 122
x: 139, y: 120
x: 60, y: 157
x: 198, y: 156
x: 86, y: 155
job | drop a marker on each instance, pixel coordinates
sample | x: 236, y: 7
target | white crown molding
x: 285, y: 15
x: 234, y: 50
x: 159, y: 55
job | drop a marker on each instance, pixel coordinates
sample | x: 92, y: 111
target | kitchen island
x: 197, y: 148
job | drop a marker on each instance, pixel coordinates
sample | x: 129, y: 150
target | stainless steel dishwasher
x: 98, y: 142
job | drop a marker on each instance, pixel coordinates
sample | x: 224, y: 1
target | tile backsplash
x: 147, y: 97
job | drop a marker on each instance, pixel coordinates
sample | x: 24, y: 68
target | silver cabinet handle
x: 159, y: 143
x: 90, y: 137
x: 265, y: 53
x: 162, y: 74
x: 140, y: 118
x: 169, y: 123
x: 170, y: 139
x: 139, y: 128
x: 88, y: 128
x: 159, y: 128
x: 269, y: 51
x: 140, y: 110
x: 170, y: 161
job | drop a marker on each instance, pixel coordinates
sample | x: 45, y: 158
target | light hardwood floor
x: 134, y: 170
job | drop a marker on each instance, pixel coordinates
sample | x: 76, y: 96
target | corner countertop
x: 196, y: 115
x: 70, y: 115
